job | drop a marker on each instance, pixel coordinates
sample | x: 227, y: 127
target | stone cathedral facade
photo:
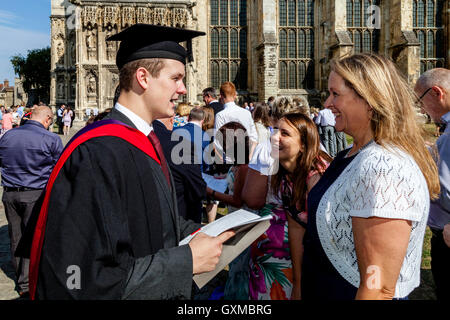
x: 266, y: 47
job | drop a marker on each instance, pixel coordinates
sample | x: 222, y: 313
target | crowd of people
x: 348, y: 222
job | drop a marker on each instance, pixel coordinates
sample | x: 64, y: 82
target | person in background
x: 188, y: 182
x: 27, y: 157
x: 67, y: 120
x: 235, y: 142
x: 2, y: 110
x: 367, y: 214
x: 326, y: 120
x: 208, y: 127
x: 15, y: 116
x: 262, y: 122
x: 181, y: 114
x: 59, y: 117
x: 193, y: 132
x: 233, y: 113
x: 302, y: 103
x: 211, y: 101
x: 7, y: 121
x: 88, y: 113
x: 433, y: 90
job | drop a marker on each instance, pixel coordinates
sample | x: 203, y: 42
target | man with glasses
x: 433, y: 89
x: 211, y: 100
x: 27, y: 156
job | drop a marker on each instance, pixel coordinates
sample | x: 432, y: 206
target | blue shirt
x: 201, y: 140
x: 28, y: 154
x: 440, y: 208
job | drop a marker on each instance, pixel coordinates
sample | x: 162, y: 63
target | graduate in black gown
x: 112, y: 228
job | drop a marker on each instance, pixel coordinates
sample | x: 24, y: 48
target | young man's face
x: 165, y: 90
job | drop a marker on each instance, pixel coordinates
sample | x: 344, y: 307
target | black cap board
x: 143, y: 41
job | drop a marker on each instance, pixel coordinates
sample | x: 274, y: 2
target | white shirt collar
x: 195, y: 124
x: 229, y: 104
x: 139, y: 123
x: 214, y: 101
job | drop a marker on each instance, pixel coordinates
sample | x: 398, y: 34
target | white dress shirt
x: 325, y: 118
x: 138, y: 122
x: 234, y: 113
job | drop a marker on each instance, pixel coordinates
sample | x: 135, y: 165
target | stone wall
x: 83, y: 63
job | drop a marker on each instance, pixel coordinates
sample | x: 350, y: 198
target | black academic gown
x: 112, y: 221
x: 189, y: 184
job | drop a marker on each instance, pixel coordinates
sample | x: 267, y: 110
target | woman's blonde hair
x: 394, y: 122
x: 183, y: 109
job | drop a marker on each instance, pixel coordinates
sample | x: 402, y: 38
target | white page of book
x: 235, y: 219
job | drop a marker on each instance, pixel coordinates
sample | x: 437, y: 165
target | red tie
x: 157, y: 145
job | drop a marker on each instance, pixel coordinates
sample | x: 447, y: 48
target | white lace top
x: 379, y: 182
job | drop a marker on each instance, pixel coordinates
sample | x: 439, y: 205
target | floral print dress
x: 264, y: 270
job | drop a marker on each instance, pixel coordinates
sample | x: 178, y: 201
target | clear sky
x: 24, y: 25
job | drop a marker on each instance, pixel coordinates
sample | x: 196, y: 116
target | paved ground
x: 7, y: 276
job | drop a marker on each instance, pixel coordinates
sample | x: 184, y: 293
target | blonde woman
x: 181, y: 114
x: 367, y: 214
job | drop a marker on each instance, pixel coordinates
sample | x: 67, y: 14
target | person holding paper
x: 236, y: 144
x: 109, y: 227
x: 295, y: 145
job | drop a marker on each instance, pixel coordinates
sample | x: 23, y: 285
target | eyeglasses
x: 423, y: 95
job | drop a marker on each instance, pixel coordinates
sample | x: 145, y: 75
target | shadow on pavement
x: 5, y: 254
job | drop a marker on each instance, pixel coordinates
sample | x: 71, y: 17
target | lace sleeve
x: 388, y: 185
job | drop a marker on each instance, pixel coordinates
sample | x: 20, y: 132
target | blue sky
x: 24, y: 25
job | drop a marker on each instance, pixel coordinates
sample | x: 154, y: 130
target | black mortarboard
x: 143, y: 41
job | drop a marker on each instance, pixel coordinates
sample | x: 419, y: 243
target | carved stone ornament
x: 73, y: 87
x: 111, y: 16
x: 110, y: 46
x: 61, y: 87
x: 180, y: 17
x: 91, y: 44
x: 58, y: 29
x: 90, y: 16
x: 143, y: 15
x: 91, y: 84
x: 128, y: 16
x: 158, y: 16
x: 60, y: 48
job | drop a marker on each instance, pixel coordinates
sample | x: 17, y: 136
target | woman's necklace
x: 359, y: 150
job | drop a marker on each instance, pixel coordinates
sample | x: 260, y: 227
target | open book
x: 248, y: 227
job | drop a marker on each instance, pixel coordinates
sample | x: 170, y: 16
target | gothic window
x: 427, y: 25
x: 228, y: 42
x: 296, y: 43
x: 364, y: 35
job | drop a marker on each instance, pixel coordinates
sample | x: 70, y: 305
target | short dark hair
x: 210, y: 92
x: 196, y: 114
x: 233, y: 141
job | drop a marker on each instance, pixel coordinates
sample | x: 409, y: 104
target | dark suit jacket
x: 216, y: 106
x: 112, y: 214
x: 189, y: 184
x: 199, y: 138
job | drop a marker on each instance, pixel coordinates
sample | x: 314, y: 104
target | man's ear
x: 143, y: 78
x: 438, y: 92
